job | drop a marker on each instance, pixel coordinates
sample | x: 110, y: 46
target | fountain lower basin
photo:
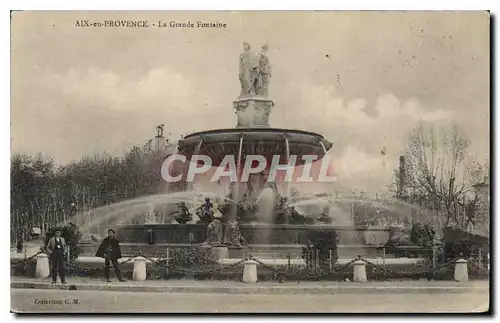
x: 282, y: 234
x: 264, y: 240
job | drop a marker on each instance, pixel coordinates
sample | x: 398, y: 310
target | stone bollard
x: 139, y: 269
x: 359, y: 271
x: 250, y: 271
x: 220, y: 252
x: 461, y: 273
x: 42, y: 266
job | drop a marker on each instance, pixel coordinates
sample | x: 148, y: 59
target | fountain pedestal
x: 253, y: 112
x: 139, y: 273
x: 42, y: 266
x: 250, y: 271
x: 220, y: 252
x: 359, y: 274
x: 461, y: 274
x: 236, y: 252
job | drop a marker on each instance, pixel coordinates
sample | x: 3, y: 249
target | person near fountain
x: 20, y: 242
x: 73, y: 209
x: 56, y: 249
x: 111, y: 252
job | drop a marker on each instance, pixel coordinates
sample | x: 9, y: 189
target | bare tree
x: 438, y: 169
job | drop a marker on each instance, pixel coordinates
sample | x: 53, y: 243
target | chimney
x: 159, y: 138
x: 401, y: 179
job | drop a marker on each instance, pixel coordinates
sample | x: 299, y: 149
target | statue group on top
x: 254, y: 72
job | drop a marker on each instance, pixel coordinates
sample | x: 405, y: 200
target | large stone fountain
x: 269, y: 225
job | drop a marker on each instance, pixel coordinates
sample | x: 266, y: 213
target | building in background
x: 481, y: 217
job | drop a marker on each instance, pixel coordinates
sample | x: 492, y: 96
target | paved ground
x: 266, y: 287
x: 23, y: 300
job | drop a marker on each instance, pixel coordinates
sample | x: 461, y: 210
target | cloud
x: 176, y: 100
x: 158, y: 88
x: 359, y: 137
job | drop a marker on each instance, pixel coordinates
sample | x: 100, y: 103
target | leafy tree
x: 44, y: 194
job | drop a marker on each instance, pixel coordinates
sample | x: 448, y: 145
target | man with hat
x: 110, y: 251
x: 56, y: 249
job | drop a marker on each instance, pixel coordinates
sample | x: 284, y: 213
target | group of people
x: 109, y: 249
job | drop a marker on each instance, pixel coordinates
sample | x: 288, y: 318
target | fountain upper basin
x: 256, y: 141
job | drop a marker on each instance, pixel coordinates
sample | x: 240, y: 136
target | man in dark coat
x: 56, y: 249
x: 110, y: 251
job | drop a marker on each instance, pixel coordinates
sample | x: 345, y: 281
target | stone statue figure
x: 214, y: 232
x: 249, y: 71
x: 232, y: 234
x: 183, y: 215
x: 206, y: 212
x: 150, y: 218
x: 264, y: 72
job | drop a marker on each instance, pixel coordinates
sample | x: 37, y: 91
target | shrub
x: 458, y: 248
x: 458, y: 243
x: 323, y: 241
x: 71, y: 234
x: 399, y: 238
x: 192, y: 256
x: 422, y: 235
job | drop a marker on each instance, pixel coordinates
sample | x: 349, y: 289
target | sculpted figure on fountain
x: 283, y: 213
x: 249, y: 71
x: 232, y: 234
x: 206, y: 212
x: 264, y: 72
x: 254, y: 71
x: 214, y: 231
x: 183, y: 215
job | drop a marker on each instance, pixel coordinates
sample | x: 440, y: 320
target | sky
x: 362, y: 79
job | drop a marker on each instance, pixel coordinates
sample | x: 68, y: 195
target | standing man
x: 110, y: 251
x: 56, y: 249
x: 20, y: 243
